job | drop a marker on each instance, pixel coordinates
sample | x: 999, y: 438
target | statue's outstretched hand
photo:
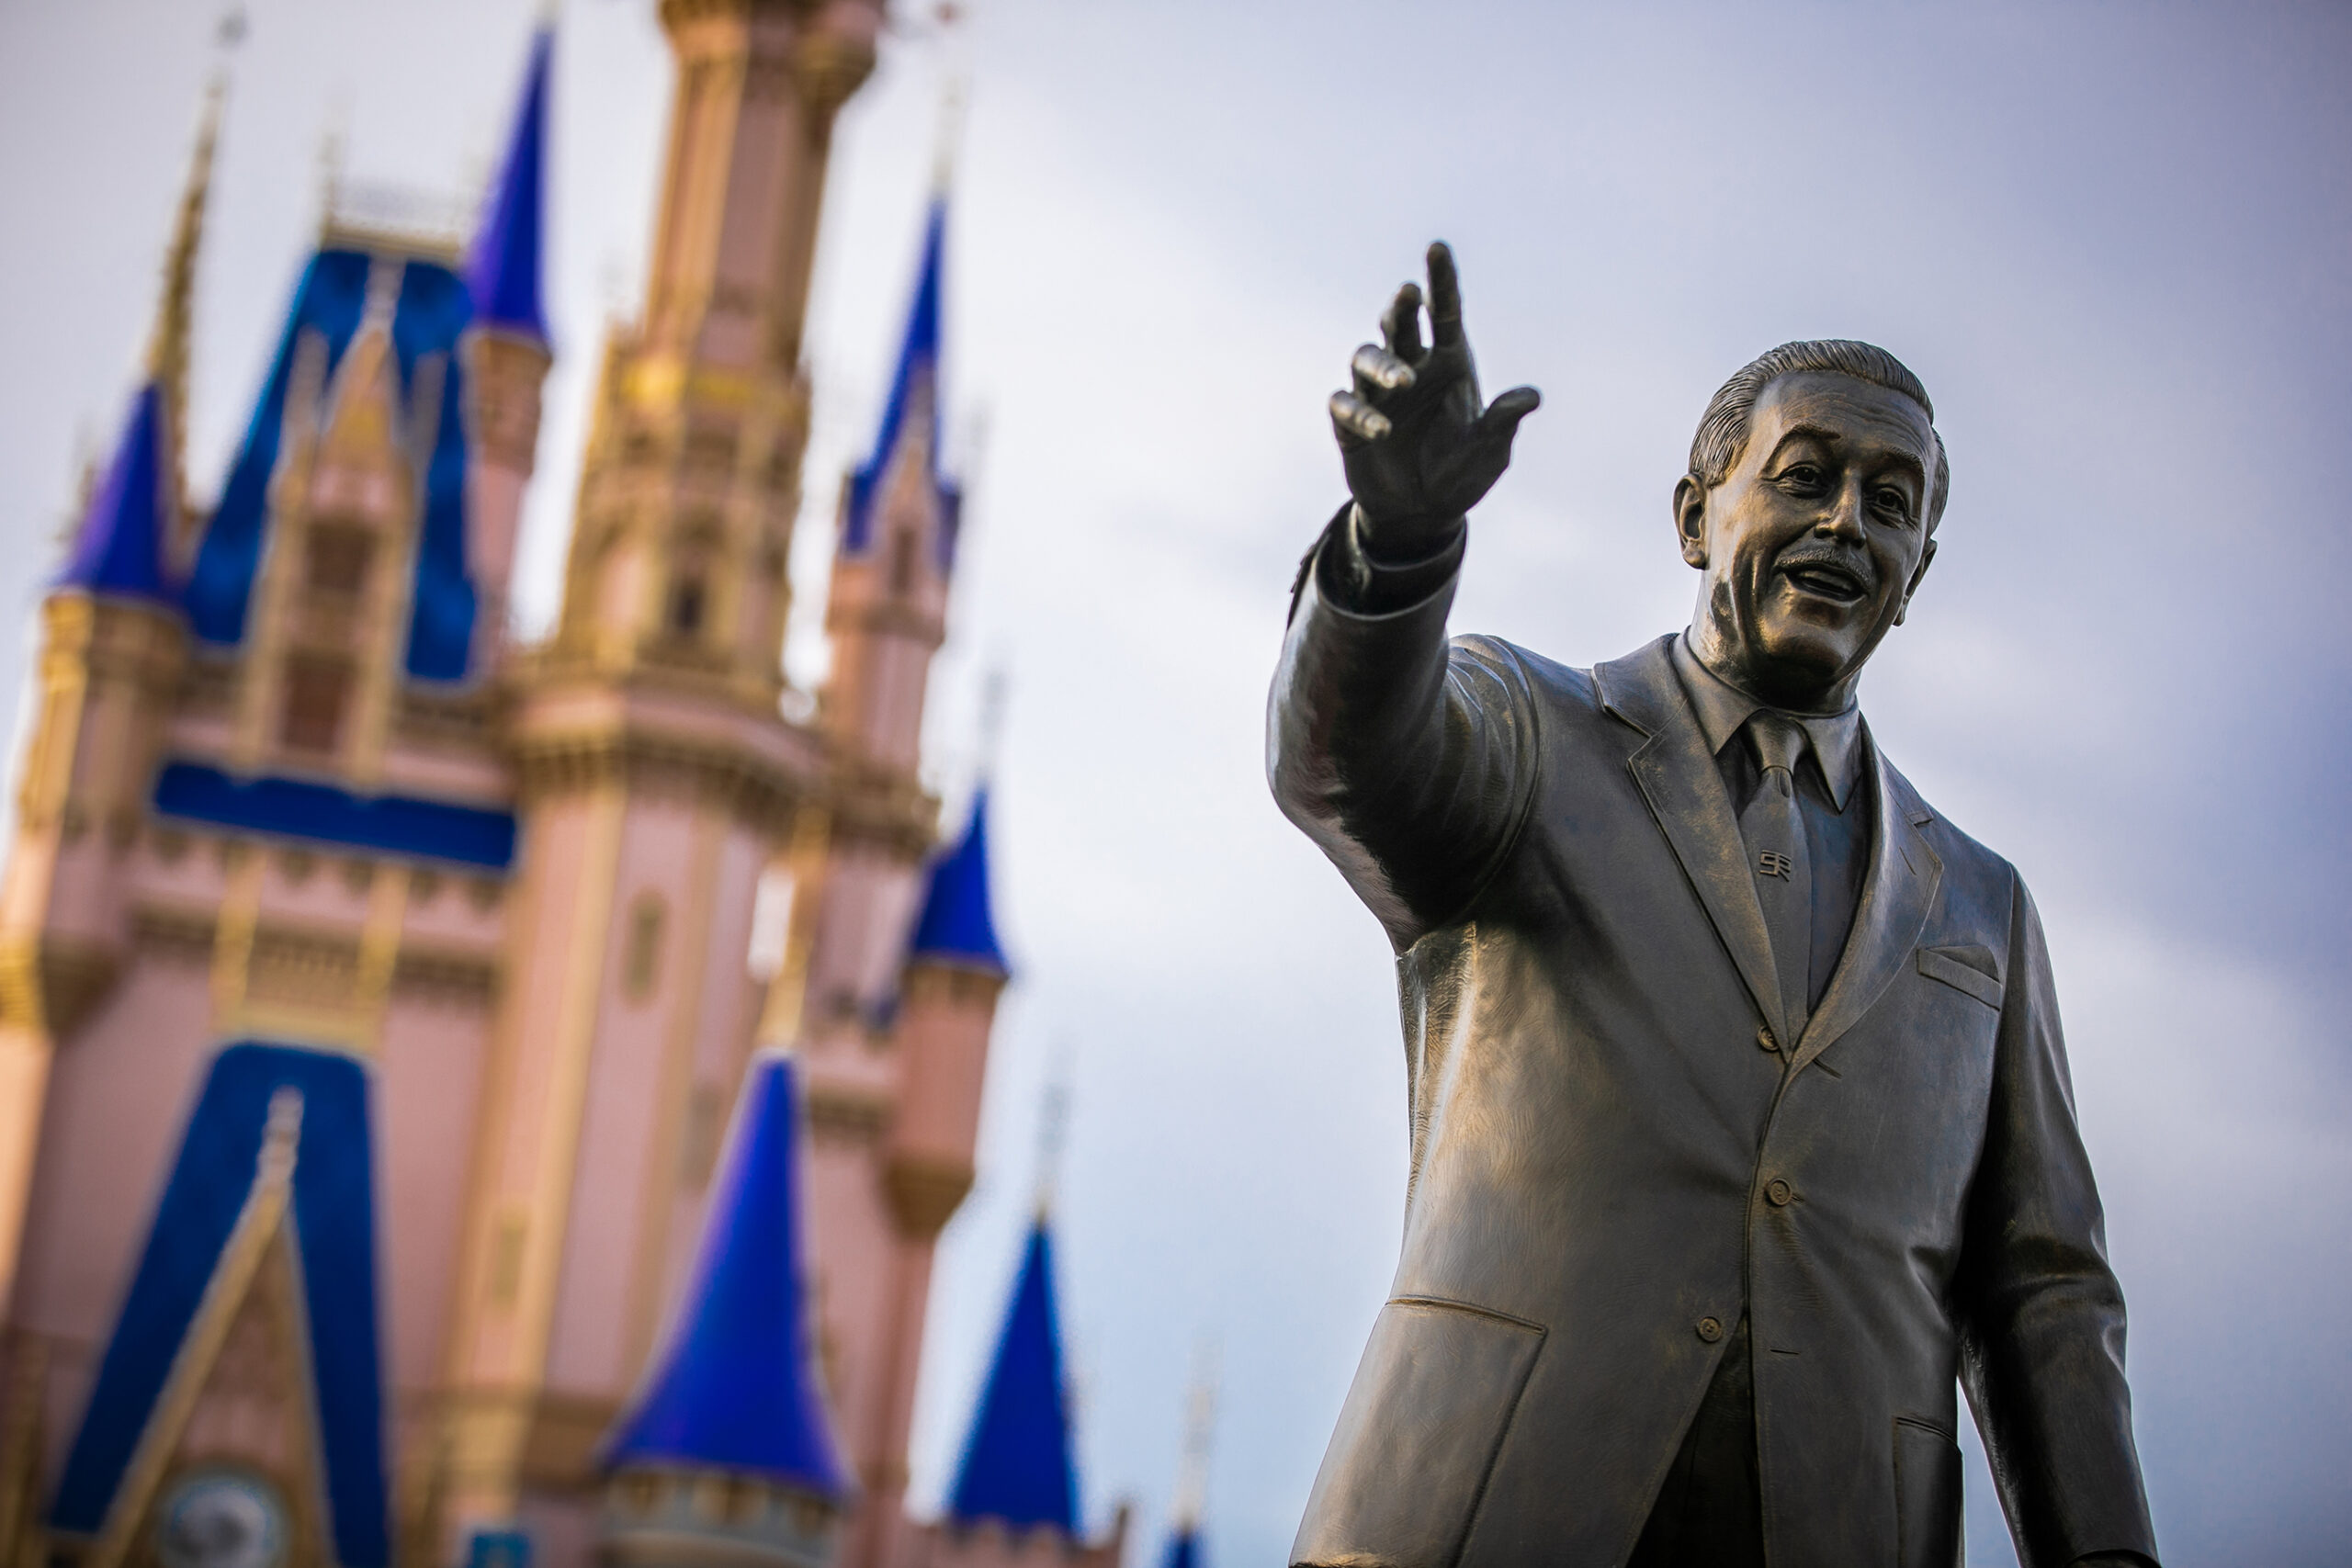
x: 1420, y: 448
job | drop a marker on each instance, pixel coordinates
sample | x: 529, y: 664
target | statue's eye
x: 1801, y: 475
x: 1894, y: 504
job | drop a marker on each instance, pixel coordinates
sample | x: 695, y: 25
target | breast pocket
x: 1422, y: 1424
x: 1968, y: 969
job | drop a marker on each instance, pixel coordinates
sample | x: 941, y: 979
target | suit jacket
x: 1606, y: 1170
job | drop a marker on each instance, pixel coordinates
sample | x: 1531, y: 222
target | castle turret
x: 678, y: 555
x: 507, y: 352
x: 939, y: 1028
x: 896, y: 550
x: 948, y: 996
x: 727, y: 1457
x: 661, y: 779
x: 1018, y: 1469
x: 1014, y: 1503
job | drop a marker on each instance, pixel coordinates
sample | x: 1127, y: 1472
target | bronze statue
x: 1740, y: 1116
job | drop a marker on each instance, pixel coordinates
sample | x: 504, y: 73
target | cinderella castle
x: 469, y: 1102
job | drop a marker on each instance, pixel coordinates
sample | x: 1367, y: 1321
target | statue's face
x: 1814, y: 544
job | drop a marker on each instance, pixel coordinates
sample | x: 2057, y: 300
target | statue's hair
x: 1723, y: 429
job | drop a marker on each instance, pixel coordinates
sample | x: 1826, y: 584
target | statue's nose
x: 1844, y: 516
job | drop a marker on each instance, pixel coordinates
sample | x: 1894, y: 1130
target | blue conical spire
x: 737, y: 1388
x: 118, y: 549
x: 503, y: 267
x: 1017, y: 1463
x: 1183, y: 1548
x: 912, y: 411
x: 957, y: 925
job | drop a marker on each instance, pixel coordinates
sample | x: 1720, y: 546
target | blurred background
x: 2115, y: 241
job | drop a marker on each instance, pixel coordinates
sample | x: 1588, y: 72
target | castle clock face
x: 223, y: 1518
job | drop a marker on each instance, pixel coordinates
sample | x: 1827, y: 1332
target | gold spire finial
x: 1199, y: 1419
x: 167, y: 345
x: 1052, y: 1128
x: 952, y: 94
x: 994, y: 688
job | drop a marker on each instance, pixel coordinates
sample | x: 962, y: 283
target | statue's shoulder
x: 1963, y: 855
x: 1545, y: 681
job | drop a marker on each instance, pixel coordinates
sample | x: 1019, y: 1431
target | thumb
x: 1500, y: 421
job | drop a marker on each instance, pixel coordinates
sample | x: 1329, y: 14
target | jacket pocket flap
x: 1927, y: 1495
x: 1421, y: 1429
x: 1940, y: 963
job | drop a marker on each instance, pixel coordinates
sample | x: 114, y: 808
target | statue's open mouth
x: 1825, y: 580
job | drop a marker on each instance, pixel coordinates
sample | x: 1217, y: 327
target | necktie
x: 1774, y: 833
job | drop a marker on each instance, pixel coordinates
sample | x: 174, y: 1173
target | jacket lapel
x: 1679, y: 778
x: 1897, y: 892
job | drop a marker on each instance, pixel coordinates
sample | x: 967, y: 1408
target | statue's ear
x: 1691, y: 519
x: 1919, y: 575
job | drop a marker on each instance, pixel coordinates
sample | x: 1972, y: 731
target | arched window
x: 902, y: 562
x: 335, y: 558
x: 641, y: 956
x: 316, y: 692
x: 685, y: 618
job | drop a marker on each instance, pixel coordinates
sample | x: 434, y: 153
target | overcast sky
x: 2114, y: 239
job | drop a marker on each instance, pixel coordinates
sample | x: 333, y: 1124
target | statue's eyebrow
x: 1833, y: 440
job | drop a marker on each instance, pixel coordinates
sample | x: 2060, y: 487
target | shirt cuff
x: 1355, y: 580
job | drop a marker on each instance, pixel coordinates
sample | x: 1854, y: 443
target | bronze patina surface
x: 1740, y: 1114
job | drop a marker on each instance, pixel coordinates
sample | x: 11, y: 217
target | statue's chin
x: 1799, y: 666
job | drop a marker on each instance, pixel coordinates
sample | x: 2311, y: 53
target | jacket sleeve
x: 1410, y: 762
x: 2041, y: 1313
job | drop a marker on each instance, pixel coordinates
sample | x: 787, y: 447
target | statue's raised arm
x: 1409, y: 765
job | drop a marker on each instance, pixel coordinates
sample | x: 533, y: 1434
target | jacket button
x: 1778, y: 1192
x: 1710, y: 1329
x: 1764, y: 1041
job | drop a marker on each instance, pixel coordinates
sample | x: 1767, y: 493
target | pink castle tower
x: 255, y: 918
x: 374, y: 992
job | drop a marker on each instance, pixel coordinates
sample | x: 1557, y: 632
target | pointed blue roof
x: 118, y: 549
x: 955, y: 925
x: 737, y: 1387
x: 1017, y: 1463
x: 1183, y: 1548
x: 430, y: 314
x: 503, y: 267
x: 913, y: 405
x: 333, y: 1218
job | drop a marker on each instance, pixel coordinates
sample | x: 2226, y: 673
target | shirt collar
x: 1724, y: 709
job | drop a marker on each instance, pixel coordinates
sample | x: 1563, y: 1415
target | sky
x: 2115, y: 241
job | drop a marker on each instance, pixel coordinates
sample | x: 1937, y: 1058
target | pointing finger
x: 1356, y: 420
x: 1381, y: 369
x: 1445, y: 298
x: 1401, y: 325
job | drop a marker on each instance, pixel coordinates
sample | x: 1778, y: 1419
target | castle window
x: 317, y: 692
x: 642, y: 963
x: 686, y: 606
x: 706, y: 1120
x: 902, y: 563
x: 334, y: 558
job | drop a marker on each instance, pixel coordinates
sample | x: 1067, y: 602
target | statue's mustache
x: 1855, y: 564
